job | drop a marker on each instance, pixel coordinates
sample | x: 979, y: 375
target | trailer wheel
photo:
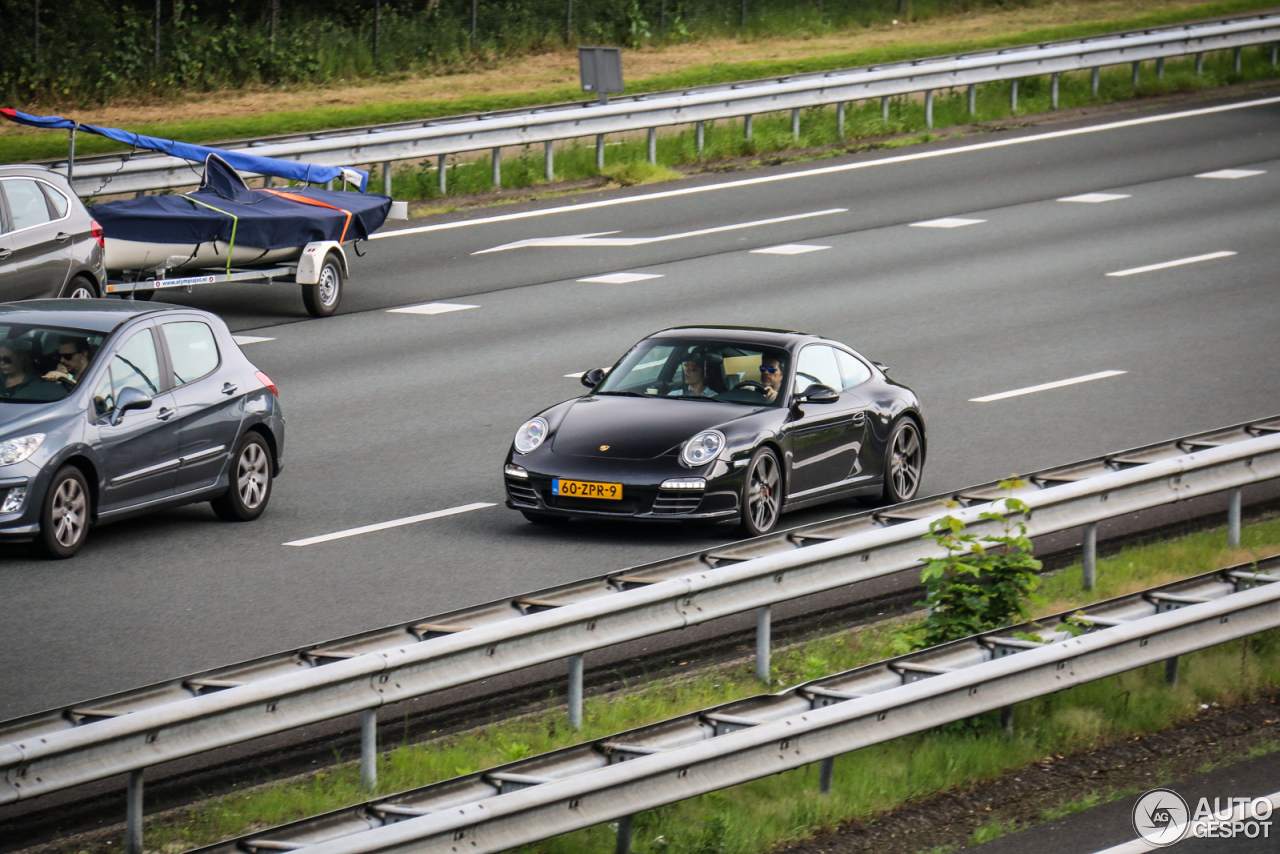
x: 322, y: 298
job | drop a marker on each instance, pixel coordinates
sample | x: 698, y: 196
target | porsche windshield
x: 700, y: 368
x: 39, y: 364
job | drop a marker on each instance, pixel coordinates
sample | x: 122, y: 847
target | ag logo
x: 1161, y: 817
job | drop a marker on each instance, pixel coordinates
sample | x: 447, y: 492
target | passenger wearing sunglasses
x: 694, y: 373
x: 771, y: 377
x: 15, y: 368
x: 73, y: 359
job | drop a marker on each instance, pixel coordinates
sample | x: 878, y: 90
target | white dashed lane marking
x: 789, y: 249
x: 621, y: 278
x: 394, y: 523
x: 249, y: 339
x: 1046, y: 386
x: 432, y: 308
x: 1232, y: 174
x: 1176, y: 263
x: 1095, y: 198
x: 946, y: 222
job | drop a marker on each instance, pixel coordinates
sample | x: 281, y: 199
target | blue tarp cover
x: 288, y: 169
x: 227, y: 210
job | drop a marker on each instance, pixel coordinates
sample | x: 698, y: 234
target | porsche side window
x: 853, y: 371
x: 135, y: 365
x: 817, y: 365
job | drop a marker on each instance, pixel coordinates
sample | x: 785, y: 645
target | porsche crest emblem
x: 604, y: 447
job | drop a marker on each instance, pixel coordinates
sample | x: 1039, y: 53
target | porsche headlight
x: 16, y: 450
x: 703, y: 448
x: 530, y: 435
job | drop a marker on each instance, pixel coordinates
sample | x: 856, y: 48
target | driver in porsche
x: 771, y: 377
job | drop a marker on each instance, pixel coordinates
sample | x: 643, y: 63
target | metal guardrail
x: 51, y: 751
x: 616, y: 776
x: 112, y: 174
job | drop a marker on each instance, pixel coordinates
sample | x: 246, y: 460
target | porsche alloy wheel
x: 904, y: 462
x: 762, y: 494
x: 64, y: 520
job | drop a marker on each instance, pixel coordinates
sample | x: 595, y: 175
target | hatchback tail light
x: 266, y: 381
x: 98, y: 234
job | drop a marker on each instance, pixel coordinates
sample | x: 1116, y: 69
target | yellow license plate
x: 586, y: 489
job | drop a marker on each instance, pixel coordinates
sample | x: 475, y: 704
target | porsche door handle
x: 164, y: 414
x: 859, y: 418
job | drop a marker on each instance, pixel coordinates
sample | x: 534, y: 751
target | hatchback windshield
x: 700, y: 368
x: 39, y: 364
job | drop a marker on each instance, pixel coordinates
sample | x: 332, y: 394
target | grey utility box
x: 601, y: 69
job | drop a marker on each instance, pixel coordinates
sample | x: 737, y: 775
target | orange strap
x: 308, y: 201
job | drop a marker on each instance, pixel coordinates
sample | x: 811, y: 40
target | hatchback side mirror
x: 592, y: 378
x: 818, y: 394
x: 129, y: 398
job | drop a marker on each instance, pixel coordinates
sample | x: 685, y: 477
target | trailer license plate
x: 586, y: 489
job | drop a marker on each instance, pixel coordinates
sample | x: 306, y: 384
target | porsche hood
x: 632, y: 428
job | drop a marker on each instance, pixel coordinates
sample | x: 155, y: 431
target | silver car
x: 49, y: 244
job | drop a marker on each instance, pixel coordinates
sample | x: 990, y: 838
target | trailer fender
x: 312, y: 260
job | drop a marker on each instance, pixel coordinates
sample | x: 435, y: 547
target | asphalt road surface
x: 395, y: 414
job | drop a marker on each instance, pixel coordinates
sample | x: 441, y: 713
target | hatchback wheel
x: 79, y: 288
x: 64, y: 518
x: 904, y: 462
x: 761, y: 494
x: 250, y: 487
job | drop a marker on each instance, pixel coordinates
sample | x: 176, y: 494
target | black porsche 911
x: 720, y: 424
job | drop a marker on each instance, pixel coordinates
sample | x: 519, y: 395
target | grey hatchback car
x: 49, y: 244
x: 109, y: 408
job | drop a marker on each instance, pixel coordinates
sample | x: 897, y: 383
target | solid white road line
x: 249, y: 339
x: 1046, y: 386
x: 621, y: 278
x: 1095, y: 198
x: 394, y: 523
x: 946, y: 222
x: 827, y: 170
x: 597, y: 240
x: 790, y: 249
x: 1178, y: 263
x: 1232, y: 174
x: 432, y: 308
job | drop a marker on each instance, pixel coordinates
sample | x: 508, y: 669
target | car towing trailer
x: 321, y: 271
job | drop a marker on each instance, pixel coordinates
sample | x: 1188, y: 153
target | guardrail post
x: 1006, y: 720
x: 369, y: 749
x: 1093, y: 83
x: 973, y: 99
x: 1160, y: 68
x: 386, y: 178
x: 928, y: 108
x: 1233, y: 517
x: 764, y: 619
x: 599, y: 152
x: 795, y: 123
x: 826, y: 771
x: 1275, y: 56
x: 1137, y: 70
x: 840, y: 120
x: 1013, y: 98
x: 549, y: 160
x: 575, y: 691
x: 1053, y: 90
x: 700, y: 135
x: 133, y: 814
x: 1199, y: 64
x: 653, y: 146
x: 624, y: 835
x: 1235, y: 59
x: 746, y: 127
x: 441, y: 181
x: 1089, y: 555
x: 1171, y: 670
x: 496, y: 162
x: 884, y: 107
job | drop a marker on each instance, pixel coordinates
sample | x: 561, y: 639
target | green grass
x: 52, y: 145
x: 753, y: 817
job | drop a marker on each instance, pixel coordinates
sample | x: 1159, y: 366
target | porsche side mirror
x: 592, y: 378
x: 129, y: 398
x: 818, y: 394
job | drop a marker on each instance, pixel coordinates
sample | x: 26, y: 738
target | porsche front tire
x: 761, y: 499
